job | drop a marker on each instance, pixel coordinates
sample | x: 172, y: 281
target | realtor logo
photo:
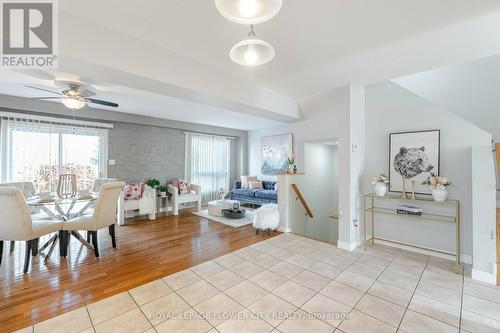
x: 29, y: 34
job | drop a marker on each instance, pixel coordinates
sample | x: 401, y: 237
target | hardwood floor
x: 147, y: 250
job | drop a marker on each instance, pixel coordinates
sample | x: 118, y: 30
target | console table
x: 371, y: 200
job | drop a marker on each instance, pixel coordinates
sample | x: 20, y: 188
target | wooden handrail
x: 302, y: 200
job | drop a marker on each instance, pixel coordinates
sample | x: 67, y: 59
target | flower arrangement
x: 223, y: 191
x: 291, y: 159
x: 380, y: 179
x: 436, y: 182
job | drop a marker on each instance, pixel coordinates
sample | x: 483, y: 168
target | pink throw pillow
x: 133, y: 191
x: 255, y: 184
x: 183, y: 186
x: 245, y: 180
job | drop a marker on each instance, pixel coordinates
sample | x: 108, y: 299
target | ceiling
x: 131, y: 100
x: 170, y: 58
x: 305, y: 33
x: 471, y: 90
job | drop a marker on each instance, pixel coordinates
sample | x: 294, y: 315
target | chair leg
x: 27, y: 256
x: 113, y: 235
x: 12, y: 244
x: 95, y: 243
x: 34, y: 246
x: 89, y: 235
x: 1, y: 251
x: 62, y: 243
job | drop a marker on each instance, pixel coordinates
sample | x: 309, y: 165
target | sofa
x: 255, y: 196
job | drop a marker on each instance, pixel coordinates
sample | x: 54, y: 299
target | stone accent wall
x: 141, y: 152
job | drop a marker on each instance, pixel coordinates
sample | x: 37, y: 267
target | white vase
x: 439, y: 195
x: 380, y: 189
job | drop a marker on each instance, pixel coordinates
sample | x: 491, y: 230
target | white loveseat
x: 181, y: 200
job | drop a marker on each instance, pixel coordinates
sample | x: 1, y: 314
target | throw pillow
x: 184, y: 187
x: 246, y: 179
x: 133, y: 191
x: 255, y: 184
x: 276, y: 186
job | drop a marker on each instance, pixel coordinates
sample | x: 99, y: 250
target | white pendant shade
x: 252, y: 52
x: 248, y: 11
x: 73, y: 103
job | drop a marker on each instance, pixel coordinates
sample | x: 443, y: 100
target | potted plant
x: 163, y: 190
x: 291, y: 164
x: 438, y: 186
x: 153, y: 183
x: 380, y: 181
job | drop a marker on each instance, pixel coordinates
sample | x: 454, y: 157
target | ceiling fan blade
x: 42, y: 89
x: 86, y: 93
x: 98, y: 101
x: 45, y: 97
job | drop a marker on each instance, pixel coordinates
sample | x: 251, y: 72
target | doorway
x: 320, y: 189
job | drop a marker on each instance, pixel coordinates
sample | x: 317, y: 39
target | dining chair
x: 17, y: 225
x: 28, y: 190
x: 104, y: 216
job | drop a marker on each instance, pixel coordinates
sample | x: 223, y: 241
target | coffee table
x: 216, y: 207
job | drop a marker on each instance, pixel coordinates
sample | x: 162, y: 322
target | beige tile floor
x: 294, y: 284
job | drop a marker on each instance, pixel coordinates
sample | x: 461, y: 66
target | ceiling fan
x: 74, y: 97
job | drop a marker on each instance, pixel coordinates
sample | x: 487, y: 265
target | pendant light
x: 252, y: 51
x: 248, y: 11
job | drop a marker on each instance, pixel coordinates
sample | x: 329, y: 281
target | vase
x: 290, y: 168
x: 380, y: 189
x: 439, y: 195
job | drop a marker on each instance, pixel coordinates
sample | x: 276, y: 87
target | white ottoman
x: 215, y: 207
x: 266, y: 217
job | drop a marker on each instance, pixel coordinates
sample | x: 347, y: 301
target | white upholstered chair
x: 28, y: 190
x: 105, y: 212
x: 181, y: 199
x: 16, y: 224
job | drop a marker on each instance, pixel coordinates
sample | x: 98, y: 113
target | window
x: 208, y: 163
x: 38, y: 151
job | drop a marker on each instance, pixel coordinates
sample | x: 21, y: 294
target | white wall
x: 484, y: 214
x: 253, y: 150
x: 391, y: 108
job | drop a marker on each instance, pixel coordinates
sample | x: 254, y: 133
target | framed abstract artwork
x: 413, y: 156
x: 275, y: 151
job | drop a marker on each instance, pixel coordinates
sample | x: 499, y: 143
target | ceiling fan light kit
x: 73, y: 103
x: 74, y: 97
x: 252, y: 51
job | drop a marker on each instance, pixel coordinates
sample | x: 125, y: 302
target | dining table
x: 64, y: 209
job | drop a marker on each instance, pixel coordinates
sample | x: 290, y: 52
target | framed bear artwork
x: 413, y: 156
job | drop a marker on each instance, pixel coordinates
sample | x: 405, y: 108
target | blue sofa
x: 255, y: 196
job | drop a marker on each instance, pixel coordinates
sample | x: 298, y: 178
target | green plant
x: 153, y: 183
x: 163, y: 188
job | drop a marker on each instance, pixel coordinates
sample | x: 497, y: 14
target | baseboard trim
x: 484, y: 277
x: 465, y: 258
x: 349, y: 246
x: 284, y: 229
